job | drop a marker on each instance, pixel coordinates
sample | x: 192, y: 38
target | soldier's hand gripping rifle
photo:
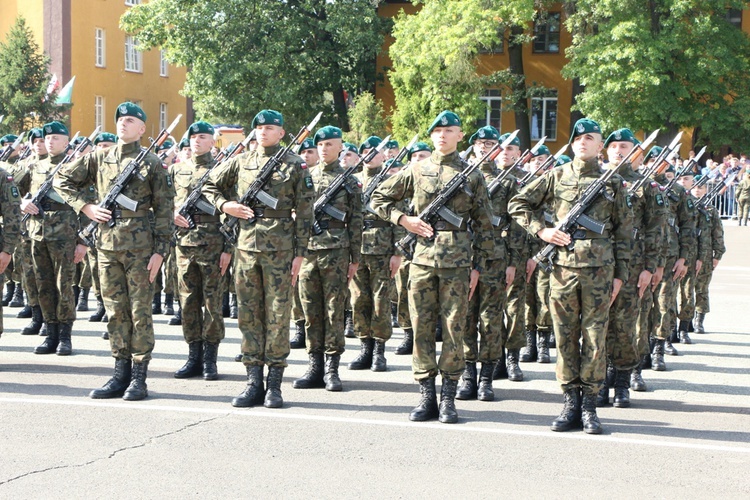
x: 115, y: 196
x: 546, y: 165
x: 577, y: 216
x: 380, y: 176
x: 10, y: 148
x: 437, y: 207
x: 323, y: 203
x: 255, y: 192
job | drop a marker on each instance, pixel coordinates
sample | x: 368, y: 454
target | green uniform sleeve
x: 162, y: 204
x: 354, y: 226
x: 10, y: 205
x: 385, y: 198
x: 74, y: 177
x: 304, y: 199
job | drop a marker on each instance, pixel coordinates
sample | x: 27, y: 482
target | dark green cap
x: 621, y: 135
x: 348, y: 146
x: 371, y: 142
x: 35, y: 133
x: 129, y: 109
x: 8, y: 139
x: 107, y: 137
x: 54, y: 128
x: 585, y: 126
x: 653, y: 153
x: 390, y: 163
x: 306, y: 144
x: 698, y: 177
x: 543, y: 150
x: 391, y: 144
x: 200, y: 127
x: 515, y: 142
x: 563, y: 160
x: 165, y: 145
x: 420, y: 146
x: 445, y: 119
x: 184, y: 143
x: 78, y: 140
x: 488, y: 132
x: 326, y: 133
x: 670, y: 168
x: 268, y: 117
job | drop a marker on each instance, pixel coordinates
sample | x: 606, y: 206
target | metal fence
x: 725, y: 203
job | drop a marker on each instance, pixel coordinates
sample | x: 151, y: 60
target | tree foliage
x: 246, y: 55
x: 366, y: 118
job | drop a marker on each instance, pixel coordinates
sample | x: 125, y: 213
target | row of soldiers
x: 608, y: 293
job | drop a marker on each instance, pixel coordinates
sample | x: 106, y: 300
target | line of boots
x: 578, y: 411
x: 201, y: 361
x: 507, y: 366
x: 469, y: 389
x: 128, y: 382
x: 536, y: 348
x: 620, y: 381
x: 428, y: 408
x: 57, y: 340
x: 371, y: 356
x: 319, y: 375
x: 255, y: 393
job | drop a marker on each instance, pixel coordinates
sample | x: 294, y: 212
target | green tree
x: 366, y: 118
x: 663, y: 64
x: 247, y: 55
x: 24, y: 76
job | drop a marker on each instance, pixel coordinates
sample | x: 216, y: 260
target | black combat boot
x: 348, y: 325
x: 670, y: 349
x: 24, y: 313
x: 177, y: 318
x: 105, y: 335
x: 636, y: 378
x: 17, y: 299
x: 552, y: 341
x: 83, y: 300
x: 379, y: 363
x: 514, y: 371
x: 36, y: 322
x: 427, y: 409
x: 65, y: 345
x: 698, y: 322
x: 51, y: 342
x: 394, y: 315
x: 210, y: 353
x: 169, y: 304
x: 570, y: 416
x: 622, y: 384
x: 313, y: 377
x: 273, y: 387
x: 331, y: 378
x: 364, y: 360
x: 253, y: 393
x: 485, y: 392
x: 115, y: 387
x: 407, y: 344
x: 225, y: 312
x: 156, y: 303
x: 100, y: 312
x: 137, y: 390
x: 76, y: 294
x: 591, y: 424
x: 192, y: 367
x: 467, y: 388
x: 439, y: 330
x: 43, y: 330
x: 238, y: 358
x: 447, y: 413
x: 233, y: 310
x: 298, y: 341
x: 529, y: 351
x: 647, y: 358
x: 501, y: 370
x: 602, y: 398
x: 657, y: 356
x: 683, y: 332
x: 542, y: 347
x: 10, y: 288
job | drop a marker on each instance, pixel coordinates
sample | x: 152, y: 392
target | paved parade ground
x: 687, y: 437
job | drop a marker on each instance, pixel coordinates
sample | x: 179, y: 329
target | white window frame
x: 130, y: 3
x: 133, y: 57
x: 99, y: 111
x: 535, y: 131
x: 163, y: 114
x: 163, y: 65
x: 100, y: 48
x: 488, y: 101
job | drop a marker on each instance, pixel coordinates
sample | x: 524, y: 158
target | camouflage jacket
x: 377, y: 240
x: 717, y: 235
x: 649, y: 220
x: 185, y: 177
x: 349, y: 201
x: 508, y: 237
x: 561, y: 189
x: 59, y: 222
x: 10, y: 210
x: 742, y: 190
x: 422, y: 182
x: 680, y: 221
x: 291, y: 184
x: 154, y: 193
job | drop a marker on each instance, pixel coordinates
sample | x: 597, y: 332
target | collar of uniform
x: 586, y: 167
x: 444, y: 159
x: 126, y: 149
x: 627, y: 172
x: 203, y: 159
x: 372, y: 172
x: 269, y: 151
x: 329, y: 167
x: 42, y: 157
x: 661, y: 179
x: 488, y: 167
x: 56, y: 158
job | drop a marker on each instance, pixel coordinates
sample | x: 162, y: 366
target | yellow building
x: 83, y: 39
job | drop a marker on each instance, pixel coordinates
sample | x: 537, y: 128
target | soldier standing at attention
x: 10, y: 211
x: 331, y: 262
x: 584, y: 280
x: 446, y: 265
x: 268, y: 254
x: 201, y: 261
x: 742, y: 195
x: 130, y: 252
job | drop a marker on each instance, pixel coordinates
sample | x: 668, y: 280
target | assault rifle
x: 546, y: 164
x: 10, y: 148
x: 323, y: 203
x: 719, y: 187
x: 528, y: 154
x: 649, y: 172
x: 380, y: 176
x: 255, y: 192
x: 115, y: 196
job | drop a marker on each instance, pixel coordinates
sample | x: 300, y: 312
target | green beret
x: 420, y: 146
x: 164, y: 146
x: 563, y: 160
x: 670, y: 168
x: 268, y: 117
x: 391, y: 144
x: 184, y: 143
x: 488, y: 132
x: 306, y: 144
x: 348, y: 146
x: 130, y: 109
x: 35, y: 133
x: 107, y: 137
x: 390, y: 164
x: 543, y: 150
x: 515, y: 142
x: 200, y: 127
x: 327, y: 132
x: 698, y: 177
x: 54, y: 128
x: 585, y: 126
x: 445, y: 119
x: 371, y: 142
x: 653, y: 153
x: 78, y: 140
x: 8, y: 139
x: 621, y: 135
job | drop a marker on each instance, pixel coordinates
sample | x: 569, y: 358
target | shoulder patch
x: 303, y: 165
x: 308, y: 181
x: 629, y: 201
x: 169, y: 180
x: 14, y: 191
x: 690, y: 204
x: 659, y: 199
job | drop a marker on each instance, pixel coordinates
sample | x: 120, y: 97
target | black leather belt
x: 442, y: 225
x: 268, y: 213
x: 584, y: 234
x: 372, y: 223
x: 53, y: 206
x: 331, y: 224
x: 128, y: 214
x: 200, y: 219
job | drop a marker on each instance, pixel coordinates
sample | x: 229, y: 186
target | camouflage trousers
x: 687, y: 295
x: 486, y: 315
x: 16, y: 266
x: 323, y: 291
x: 199, y: 285
x: 743, y: 210
x: 702, y: 282
x: 515, y: 312
x: 169, y: 282
x: 297, y: 313
x: 662, y: 313
x: 537, y: 302
x: 433, y: 293
x: 579, y: 304
x: 83, y: 274
x: 55, y: 271
x: 622, y: 333
x: 127, y: 295
x: 644, y: 325
x: 227, y: 281
x: 263, y: 283
x: 370, y: 291
x: 23, y: 250
x: 92, y: 257
x: 402, y: 291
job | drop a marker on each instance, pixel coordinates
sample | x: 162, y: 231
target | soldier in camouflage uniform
x: 10, y: 211
x: 446, y: 265
x: 742, y: 195
x: 11, y: 273
x: 351, y: 158
x: 53, y: 241
x: 130, y: 252
x: 586, y: 279
x: 331, y: 262
x: 686, y: 294
x: 201, y: 261
x: 269, y: 252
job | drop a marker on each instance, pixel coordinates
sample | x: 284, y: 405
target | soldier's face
x: 617, y: 150
x: 269, y: 135
x: 509, y: 155
x: 104, y: 145
x: 350, y: 158
x: 377, y: 160
x: 201, y: 143
x: 536, y: 161
x: 698, y: 192
x: 56, y: 143
x: 419, y: 156
x: 446, y: 139
x: 130, y: 129
x: 391, y: 153
x: 587, y: 146
x: 186, y: 153
x: 482, y: 147
x: 310, y: 156
x: 39, y: 147
x: 669, y: 175
x: 687, y: 181
x: 330, y: 149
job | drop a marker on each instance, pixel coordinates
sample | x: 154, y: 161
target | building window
x: 547, y: 34
x: 497, y: 45
x: 163, y: 116
x: 163, y: 64
x: 493, y: 109
x: 99, y: 111
x: 133, y: 58
x: 734, y: 17
x: 544, y: 118
x: 132, y: 2
x: 100, y: 59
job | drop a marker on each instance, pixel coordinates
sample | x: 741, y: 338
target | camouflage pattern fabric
x: 371, y: 298
x: 483, y: 341
x: 715, y: 251
x: 402, y: 289
x: 10, y: 210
